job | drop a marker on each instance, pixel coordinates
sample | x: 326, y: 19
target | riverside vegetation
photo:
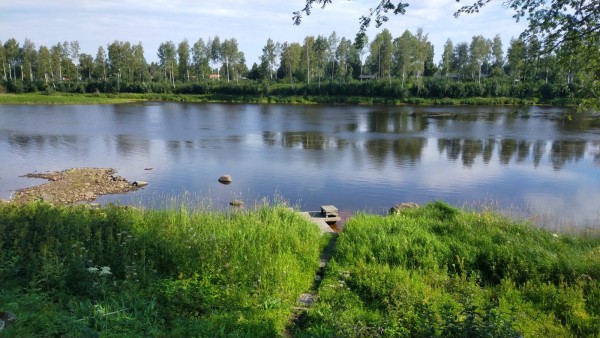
x: 74, y: 271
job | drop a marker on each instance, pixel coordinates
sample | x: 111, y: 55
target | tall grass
x: 441, y: 271
x: 121, y: 271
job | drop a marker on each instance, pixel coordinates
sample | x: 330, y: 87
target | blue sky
x: 98, y: 22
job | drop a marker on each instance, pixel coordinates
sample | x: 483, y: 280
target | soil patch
x: 75, y: 185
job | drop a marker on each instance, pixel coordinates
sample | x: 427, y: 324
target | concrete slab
x: 319, y: 221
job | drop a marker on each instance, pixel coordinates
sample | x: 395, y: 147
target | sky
x: 95, y: 23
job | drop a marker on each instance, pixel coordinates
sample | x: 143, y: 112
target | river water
x: 528, y: 161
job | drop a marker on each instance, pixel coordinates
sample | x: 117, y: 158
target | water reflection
x: 389, y: 122
x: 352, y: 157
x: 405, y: 150
x: 565, y: 151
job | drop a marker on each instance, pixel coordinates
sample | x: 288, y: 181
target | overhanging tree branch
x: 379, y: 14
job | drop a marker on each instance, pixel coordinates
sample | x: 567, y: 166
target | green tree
x: 44, y: 63
x: 380, y: 57
x: 332, y: 45
x: 74, y: 52
x: 200, y: 59
x: 446, y: 62
x: 422, y: 52
x: 269, y: 56
x: 121, y: 61
x: 140, y: 66
x: 11, y: 50
x: 291, y: 56
x: 230, y: 55
x: 183, y: 54
x: 479, y: 52
x: 57, y: 54
x: 320, y: 51
x: 343, y: 54
x: 498, y: 56
x: 460, y: 58
x: 215, y: 51
x: 308, y: 56
x: 86, y: 66
x: 100, y: 65
x: 360, y: 45
x: 533, y: 52
x: 403, y: 53
x: 3, y: 60
x: 167, y: 56
x: 516, y: 56
x: 29, y: 59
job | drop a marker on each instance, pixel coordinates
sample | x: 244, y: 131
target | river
x: 526, y: 161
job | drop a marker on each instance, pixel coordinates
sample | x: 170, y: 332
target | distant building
x: 214, y: 76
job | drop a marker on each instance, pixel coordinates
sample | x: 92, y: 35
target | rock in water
x: 236, y: 203
x: 399, y: 207
x: 225, y: 179
x: 139, y: 183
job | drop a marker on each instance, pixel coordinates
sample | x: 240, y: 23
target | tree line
x: 386, y: 66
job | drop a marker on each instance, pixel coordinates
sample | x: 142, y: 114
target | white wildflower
x: 93, y: 269
x: 105, y: 270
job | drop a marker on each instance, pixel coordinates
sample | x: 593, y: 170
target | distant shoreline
x: 123, y: 98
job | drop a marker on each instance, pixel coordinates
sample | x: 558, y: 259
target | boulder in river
x: 225, y: 179
x: 402, y: 206
x: 236, y: 203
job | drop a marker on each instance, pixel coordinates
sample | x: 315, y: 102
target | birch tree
x: 29, y: 59
x: 479, y: 51
x: 167, y: 56
x: 446, y: 62
x: 200, y: 58
x: 183, y: 54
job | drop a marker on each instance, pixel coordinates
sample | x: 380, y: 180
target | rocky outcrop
x: 75, y: 185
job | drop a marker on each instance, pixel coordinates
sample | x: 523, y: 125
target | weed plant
x: 74, y: 271
x: 437, y: 271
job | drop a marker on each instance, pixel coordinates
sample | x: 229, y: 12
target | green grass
x: 100, y: 98
x: 66, y: 98
x: 435, y: 271
x: 172, y: 272
x: 438, y: 271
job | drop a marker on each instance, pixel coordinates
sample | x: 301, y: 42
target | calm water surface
x: 528, y: 161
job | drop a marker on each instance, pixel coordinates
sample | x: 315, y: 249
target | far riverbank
x: 121, y: 98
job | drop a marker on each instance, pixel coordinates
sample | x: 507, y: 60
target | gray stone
x: 236, y: 203
x: 225, y: 179
x: 396, y: 209
x: 139, y: 183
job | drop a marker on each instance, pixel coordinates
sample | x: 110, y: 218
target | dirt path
x: 75, y: 185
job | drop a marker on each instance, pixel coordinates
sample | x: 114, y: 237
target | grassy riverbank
x: 119, y: 271
x: 99, y: 98
x: 438, y: 271
x: 431, y: 271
